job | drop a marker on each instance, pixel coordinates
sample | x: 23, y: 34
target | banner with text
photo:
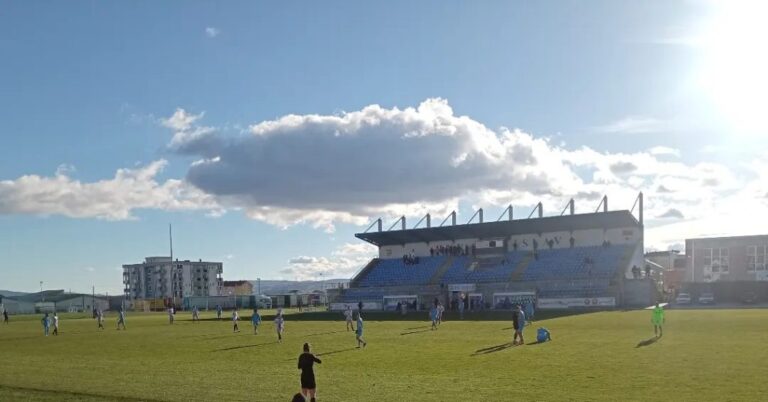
x: 576, y: 302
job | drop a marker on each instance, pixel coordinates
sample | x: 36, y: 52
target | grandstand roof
x: 505, y: 228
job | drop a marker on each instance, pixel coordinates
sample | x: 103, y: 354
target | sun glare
x: 734, y: 71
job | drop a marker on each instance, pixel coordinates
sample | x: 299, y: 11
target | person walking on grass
x: 235, y: 319
x: 170, y: 315
x: 100, y: 318
x: 121, y: 319
x: 657, y: 319
x: 195, y: 314
x: 46, y: 324
x: 306, y: 363
x: 218, y: 312
x: 279, y: 326
x: 518, y: 322
x: 55, y: 324
x: 348, y: 318
x: 433, y: 316
x: 529, y: 311
x: 5, y: 316
x: 359, y: 331
x: 256, y: 321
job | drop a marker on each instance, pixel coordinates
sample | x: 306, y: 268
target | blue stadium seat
x: 394, y: 272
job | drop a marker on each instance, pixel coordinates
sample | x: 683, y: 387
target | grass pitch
x: 713, y: 355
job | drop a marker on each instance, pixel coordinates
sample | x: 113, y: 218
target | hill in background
x: 10, y: 293
x: 270, y: 287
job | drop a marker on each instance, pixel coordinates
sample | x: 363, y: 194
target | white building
x: 161, y: 278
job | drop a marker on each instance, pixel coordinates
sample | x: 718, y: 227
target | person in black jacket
x: 308, y: 385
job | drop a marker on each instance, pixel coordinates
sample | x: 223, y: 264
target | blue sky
x: 668, y: 90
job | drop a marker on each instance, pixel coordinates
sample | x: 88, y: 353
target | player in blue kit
x: 359, y: 331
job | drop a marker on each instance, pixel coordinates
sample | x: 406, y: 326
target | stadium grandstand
x: 565, y: 261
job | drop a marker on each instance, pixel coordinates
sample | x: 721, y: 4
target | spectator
x: 514, y: 245
x: 572, y: 241
x: 431, y: 252
x: 647, y: 270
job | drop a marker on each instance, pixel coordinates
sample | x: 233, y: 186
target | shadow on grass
x: 245, y: 346
x: 336, y: 351
x: 647, y: 342
x: 493, y: 349
x: 415, y: 332
x: 326, y: 333
x: 415, y: 328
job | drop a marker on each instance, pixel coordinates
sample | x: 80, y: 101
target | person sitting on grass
x: 543, y: 335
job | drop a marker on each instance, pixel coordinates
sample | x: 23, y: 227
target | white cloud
x: 632, y: 125
x: 112, y: 199
x: 212, y: 32
x: 65, y: 169
x: 664, y: 151
x: 672, y: 213
x: 181, y: 120
x: 343, y: 263
x: 345, y: 168
x: 322, y: 170
x: 354, y: 166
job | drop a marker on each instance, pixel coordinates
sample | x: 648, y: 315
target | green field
x: 713, y: 355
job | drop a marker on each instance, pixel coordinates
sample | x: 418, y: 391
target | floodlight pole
x: 479, y: 214
x: 507, y: 212
x: 452, y: 215
x: 540, y: 208
x: 571, y: 205
x: 603, y: 203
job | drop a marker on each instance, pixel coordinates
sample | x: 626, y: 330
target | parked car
x: 707, y: 298
x: 749, y: 298
x: 683, y: 298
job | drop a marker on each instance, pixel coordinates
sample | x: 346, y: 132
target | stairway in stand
x: 441, y: 271
x: 517, y: 274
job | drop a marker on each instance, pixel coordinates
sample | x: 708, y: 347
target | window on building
x: 717, y: 260
x: 756, y: 258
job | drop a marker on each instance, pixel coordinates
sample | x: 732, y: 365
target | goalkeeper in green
x: 657, y: 319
